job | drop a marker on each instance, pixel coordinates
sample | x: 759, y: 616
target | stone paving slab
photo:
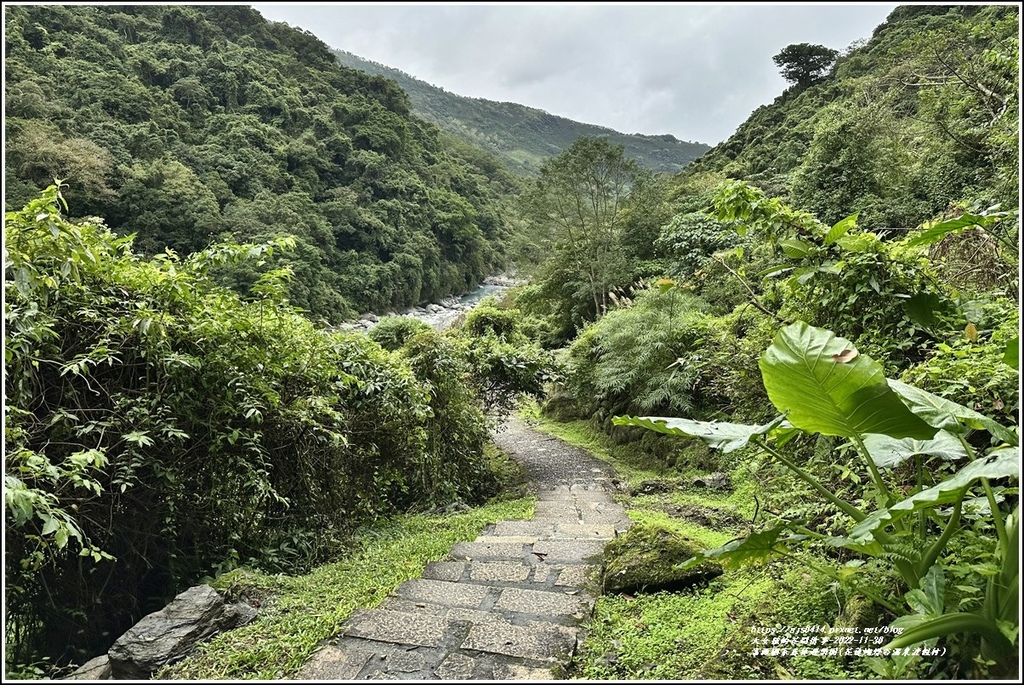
x: 507, y: 539
x: 583, y: 531
x: 568, y: 550
x: 443, y: 592
x: 444, y: 570
x: 544, y: 602
x: 334, y: 663
x: 451, y: 614
x: 538, y: 528
x: 487, y: 550
x: 534, y: 641
x: 501, y: 571
x: 560, y: 511
x: 578, y: 496
x: 456, y: 666
x: 578, y: 575
x: 521, y: 672
x: 398, y: 627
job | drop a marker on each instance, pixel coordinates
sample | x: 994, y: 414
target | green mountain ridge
x: 523, y: 137
x: 919, y: 117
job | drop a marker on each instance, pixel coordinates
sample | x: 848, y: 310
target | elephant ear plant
x: 822, y: 385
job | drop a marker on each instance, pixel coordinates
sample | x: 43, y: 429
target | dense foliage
x: 160, y: 428
x: 861, y: 280
x: 905, y: 126
x: 184, y: 125
x: 524, y: 137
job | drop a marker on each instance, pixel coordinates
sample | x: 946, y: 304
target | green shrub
x: 160, y: 428
x: 391, y: 332
x: 627, y: 360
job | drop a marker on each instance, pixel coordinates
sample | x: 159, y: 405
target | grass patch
x: 707, y: 634
x: 299, y: 612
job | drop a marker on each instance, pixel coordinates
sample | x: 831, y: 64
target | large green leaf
x: 950, y: 624
x: 756, y: 547
x: 840, y: 229
x: 1002, y: 463
x: 824, y: 385
x: 718, y: 435
x: 936, y: 232
x: 1012, y: 355
x: 888, y: 453
x: 921, y: 308
x: 796, y: 248
x: 949, y: 416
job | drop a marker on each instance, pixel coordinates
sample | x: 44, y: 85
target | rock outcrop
x: 168, y: 635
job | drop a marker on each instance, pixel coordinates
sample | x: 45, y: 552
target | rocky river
x: 441, y: 315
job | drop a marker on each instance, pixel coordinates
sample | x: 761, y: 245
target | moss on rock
x: 645, y: 560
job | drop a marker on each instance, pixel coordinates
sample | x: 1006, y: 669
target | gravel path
x: 549, y: 461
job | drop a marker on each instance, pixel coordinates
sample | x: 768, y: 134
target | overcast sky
x: 696, y: 71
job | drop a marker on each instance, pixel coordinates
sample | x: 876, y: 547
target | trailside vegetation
x: 186, y: 126
x: 160, y: 428
x: 830, y: 316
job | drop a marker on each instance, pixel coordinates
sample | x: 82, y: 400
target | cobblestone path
x: 505, y: 606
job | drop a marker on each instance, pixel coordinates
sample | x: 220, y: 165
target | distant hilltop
x: 523, y: 137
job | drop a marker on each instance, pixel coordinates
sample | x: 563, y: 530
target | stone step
x: 550, y: 529
x: 569, y: 551
x: 335, y: 662
x: 545, y: 602
x: 491, y: 551
x: 510, y: 539
x: 538, y: 528
x: 535, y: 640
x: 444, y: 592
x: 399, y: 627
x: 583, y: 531
x: 579, y: 496
x: 433, y: 596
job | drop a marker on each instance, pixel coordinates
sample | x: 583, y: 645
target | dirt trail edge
x: 507, y: 605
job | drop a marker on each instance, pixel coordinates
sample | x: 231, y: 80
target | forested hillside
x: 523, y: 137
x: 923, y: 113
x: 184, y: 125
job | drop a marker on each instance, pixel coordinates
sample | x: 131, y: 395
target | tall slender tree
x: 576, y: 209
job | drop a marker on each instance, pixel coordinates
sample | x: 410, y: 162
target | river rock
x: 168, y: 635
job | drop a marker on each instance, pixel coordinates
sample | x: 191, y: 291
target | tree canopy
x: 803, y: 63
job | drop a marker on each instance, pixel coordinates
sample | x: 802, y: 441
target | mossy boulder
x: 645, y: 560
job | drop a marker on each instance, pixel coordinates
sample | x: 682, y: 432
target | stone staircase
x: 506, y: 606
